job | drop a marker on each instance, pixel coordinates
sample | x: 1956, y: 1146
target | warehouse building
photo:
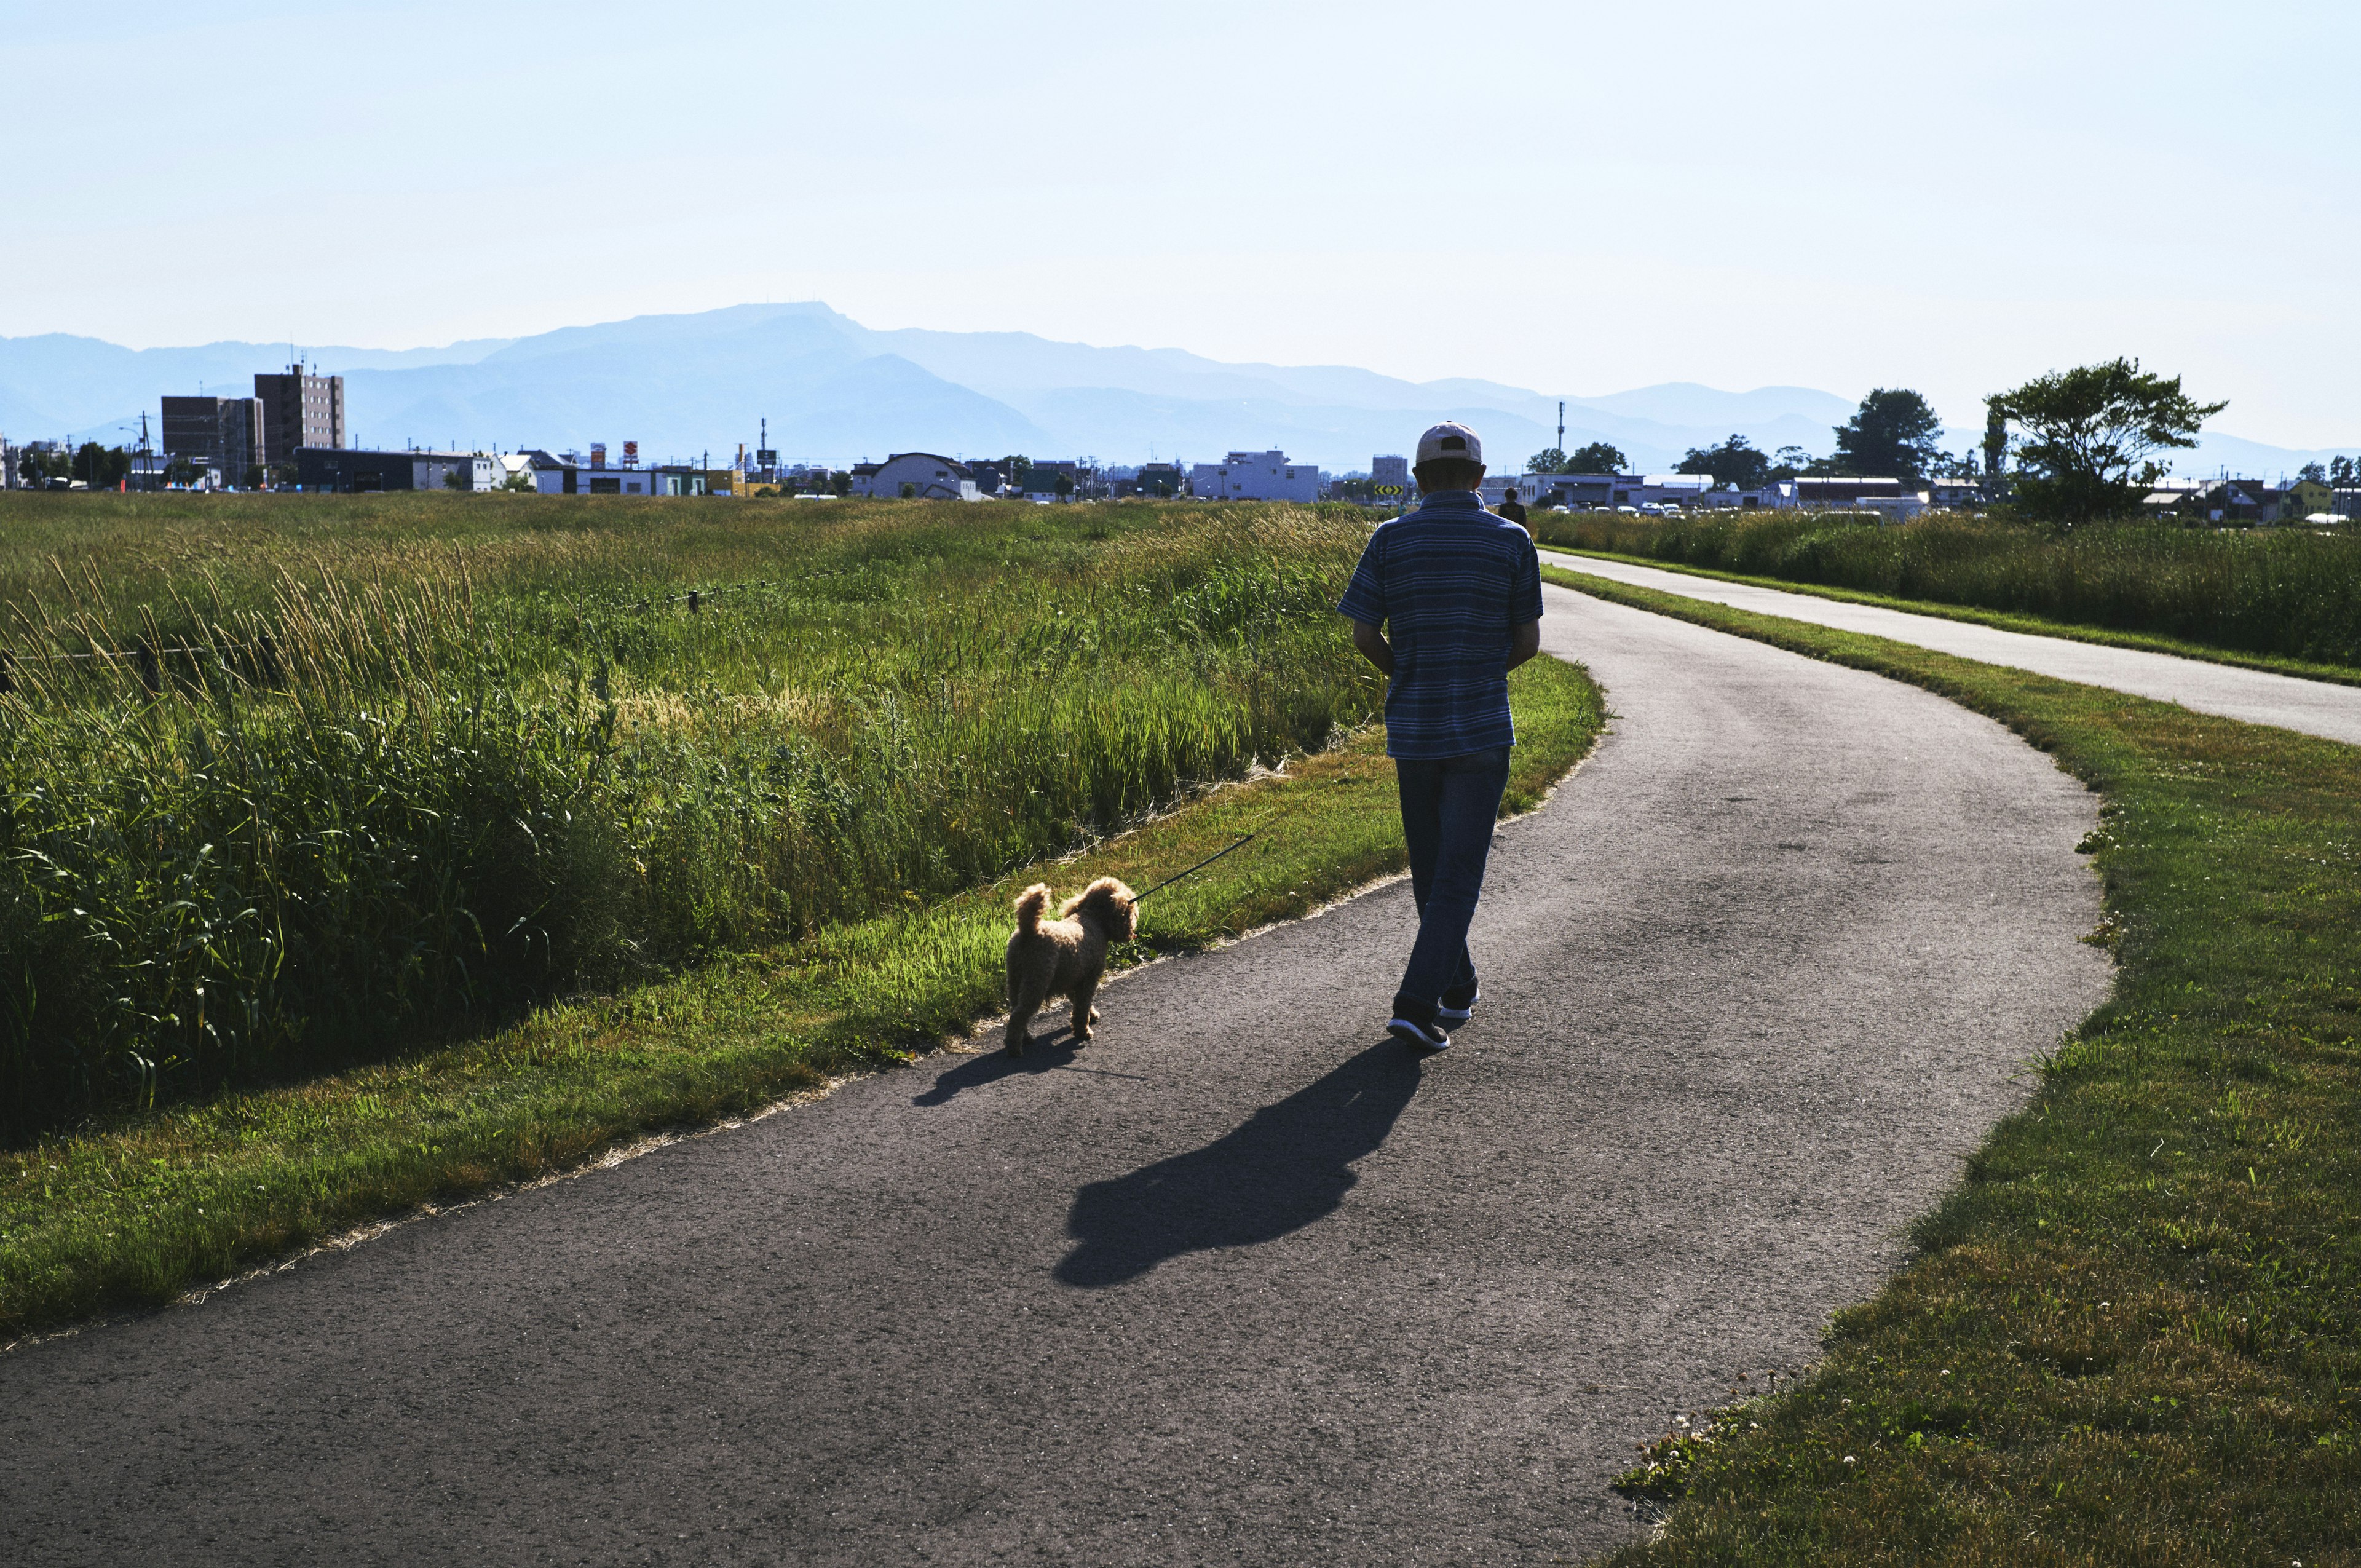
x: 347, y: 473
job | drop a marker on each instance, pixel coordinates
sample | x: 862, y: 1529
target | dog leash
x: 1199, y: 866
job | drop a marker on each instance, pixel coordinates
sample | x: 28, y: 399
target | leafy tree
x: 1598, y: 458
x: 1735, y: 462
x: 1065, y: 485
x: 1995, y: 442
x: 2091, y: 434
x: 256, y: 477
x: 453, y: 480
x: 100, y: 467
x: 1548, y: 460
x: 841, y: 484
x: 2343, y: 473
x: 1893, y: 432
x: 1787, y: 463
x: 2314, y: 472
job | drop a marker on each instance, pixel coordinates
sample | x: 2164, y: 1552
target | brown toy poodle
x: 1064, y: 957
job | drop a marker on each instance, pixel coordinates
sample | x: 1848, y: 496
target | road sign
x: 1388, y: 489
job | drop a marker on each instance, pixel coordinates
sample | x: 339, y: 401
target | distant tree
x: 1892, y: 433
x: 101, y: 467
x: 2343, y: 473
x: 1065, y: 485
x: 39, y: 468
x: 1598, y: 458
x: 1995, y: 442
x: 910, y: 490
x: 454, y: 481
x: 1787, y: 463
x: 841, y: 484
x: 1548, y: 460
x: 256, y: 477
x: 2091, y: 434
x: 1735, y: 462
x: 2314, y: 472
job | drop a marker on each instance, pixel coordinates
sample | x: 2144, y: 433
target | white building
x: 1256, y: 477
x: 921, y: 475
x: 1581, y: 490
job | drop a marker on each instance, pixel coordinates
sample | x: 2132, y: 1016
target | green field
x: 804, y: 804
x: 2133, y: 1333
x: 292, y: 781
x: 2288, y: 593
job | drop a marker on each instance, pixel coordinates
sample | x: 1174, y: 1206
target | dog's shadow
x: 1289, y: 1165
x: 1042, y: 1053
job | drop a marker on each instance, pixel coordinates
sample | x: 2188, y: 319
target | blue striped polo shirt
x: 1447, y: 582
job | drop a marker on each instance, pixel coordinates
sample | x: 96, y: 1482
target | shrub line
x: 2000, y: 621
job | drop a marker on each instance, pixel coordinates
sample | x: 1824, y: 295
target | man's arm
x: 1525, y: 641
x: 1375, y: 649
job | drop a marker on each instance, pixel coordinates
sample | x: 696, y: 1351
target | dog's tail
x: 1030, y: 906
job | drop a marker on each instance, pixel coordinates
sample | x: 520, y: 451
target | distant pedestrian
x: 1514, y: 511
x: 1446, y: 601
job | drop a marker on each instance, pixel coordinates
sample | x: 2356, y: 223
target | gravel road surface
x: 2257, y: 697
x: 1242, y: 1281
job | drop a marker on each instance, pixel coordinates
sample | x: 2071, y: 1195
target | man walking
x: 1446, y: 601
x: 1514, y: 511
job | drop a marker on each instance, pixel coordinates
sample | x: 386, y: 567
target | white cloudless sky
x: 1574, y: 197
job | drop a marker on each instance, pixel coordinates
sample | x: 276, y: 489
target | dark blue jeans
x: 1448, y: 806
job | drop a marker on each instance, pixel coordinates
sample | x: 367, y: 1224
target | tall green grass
x: 275, y: 798
x: 2290, y: 592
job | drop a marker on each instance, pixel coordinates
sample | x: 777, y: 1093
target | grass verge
x: 134, y: 1212
x: 2133, y: 1333
x: 2003, y: 620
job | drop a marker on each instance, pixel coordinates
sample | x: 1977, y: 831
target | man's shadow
x: 1289, y: 1164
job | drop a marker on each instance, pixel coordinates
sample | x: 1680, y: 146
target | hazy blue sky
x: 1569, y: 196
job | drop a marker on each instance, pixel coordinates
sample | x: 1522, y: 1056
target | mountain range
x: 834, y: 391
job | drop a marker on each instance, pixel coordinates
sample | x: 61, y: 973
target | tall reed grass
x: 2284, y: 591
x: 291, y: 809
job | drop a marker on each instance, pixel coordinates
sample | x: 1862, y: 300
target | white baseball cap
x: 1452, y: 439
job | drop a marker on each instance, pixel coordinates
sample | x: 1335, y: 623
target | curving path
x: 1242, y: 1282
x: 2256, y: 696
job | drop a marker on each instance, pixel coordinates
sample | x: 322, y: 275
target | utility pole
x: 1561, y: 427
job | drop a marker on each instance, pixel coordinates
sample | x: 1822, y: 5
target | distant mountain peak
x: 701, y: 381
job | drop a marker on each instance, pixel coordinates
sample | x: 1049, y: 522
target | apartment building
x: 1256, y: 477
x: 225, y: 435
x: 299, y: 410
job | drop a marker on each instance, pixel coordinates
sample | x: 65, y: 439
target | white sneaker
x: 1448, y: 1015
x: 1418, y: 1036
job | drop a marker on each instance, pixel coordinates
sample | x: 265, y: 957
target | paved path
x: 1242, y: 1282
x: 2257, y: 697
